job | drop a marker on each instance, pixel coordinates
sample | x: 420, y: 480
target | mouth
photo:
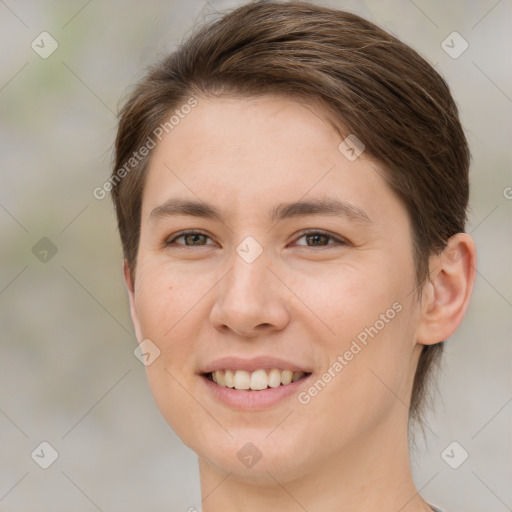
x: 258, y: 380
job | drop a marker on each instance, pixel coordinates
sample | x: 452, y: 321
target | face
x: 249, y: 281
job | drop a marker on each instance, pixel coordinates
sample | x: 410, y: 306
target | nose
x: 251, y: 300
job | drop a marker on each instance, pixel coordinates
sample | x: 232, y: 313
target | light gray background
x: 67, y: 369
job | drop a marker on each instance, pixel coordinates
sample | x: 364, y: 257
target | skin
x: 303, y: 299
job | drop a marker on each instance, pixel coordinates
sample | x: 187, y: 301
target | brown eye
x: 320, y: 239
x: 191, y: 239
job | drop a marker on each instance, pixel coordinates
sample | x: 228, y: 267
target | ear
x: 131, y: 297
x: 447, y: 293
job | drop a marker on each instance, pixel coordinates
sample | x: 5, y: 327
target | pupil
x: 316, y: 237
x: 193, y: 236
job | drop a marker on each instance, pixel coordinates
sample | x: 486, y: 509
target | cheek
x: 363, y: 381
x: 164, y: 302
x: 367, y: 359
x: 164, y: 297
x: 349, y: 299
x: 164, y: 305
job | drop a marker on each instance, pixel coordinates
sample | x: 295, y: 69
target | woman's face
x: 256, y: 288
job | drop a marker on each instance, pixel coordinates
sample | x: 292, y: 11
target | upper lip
x: 252, y: 364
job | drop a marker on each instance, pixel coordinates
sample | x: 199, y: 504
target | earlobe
x: 130, y: 288
x: 447, y: 293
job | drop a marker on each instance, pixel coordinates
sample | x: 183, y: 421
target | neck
x: 373, y: 473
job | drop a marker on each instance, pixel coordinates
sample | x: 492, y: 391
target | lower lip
x: 252, y: 400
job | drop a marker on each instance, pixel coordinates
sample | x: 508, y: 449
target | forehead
x: 248, y: 153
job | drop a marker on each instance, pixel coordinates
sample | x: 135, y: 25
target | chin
x: 253, y: 456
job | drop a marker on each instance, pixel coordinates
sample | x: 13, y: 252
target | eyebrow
x: 323, y: 206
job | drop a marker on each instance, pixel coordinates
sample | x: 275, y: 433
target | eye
x: 314, y: 238
x: 317, y: 237
x: 192, y: 239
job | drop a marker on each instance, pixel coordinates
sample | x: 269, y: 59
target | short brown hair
x: 372, y: 84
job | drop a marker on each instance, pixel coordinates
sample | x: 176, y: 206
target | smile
x: 255, y: 381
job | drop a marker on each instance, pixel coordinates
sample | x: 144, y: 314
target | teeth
x: 229, y: 378
x: 257, y: 380
x: 286, y: 377
x: 242, y: 380
x: 274, y: 378
x: 297, y: 376
x: 221, y: 379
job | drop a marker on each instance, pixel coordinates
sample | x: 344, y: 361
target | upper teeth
x: 257, y: 380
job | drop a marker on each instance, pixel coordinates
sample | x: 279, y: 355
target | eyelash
x: 340, y: 241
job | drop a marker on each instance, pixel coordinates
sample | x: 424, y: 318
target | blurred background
x: 68, y: 374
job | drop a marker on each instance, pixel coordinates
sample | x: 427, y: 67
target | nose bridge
x: 249, y: 276
x: 249, y: 296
